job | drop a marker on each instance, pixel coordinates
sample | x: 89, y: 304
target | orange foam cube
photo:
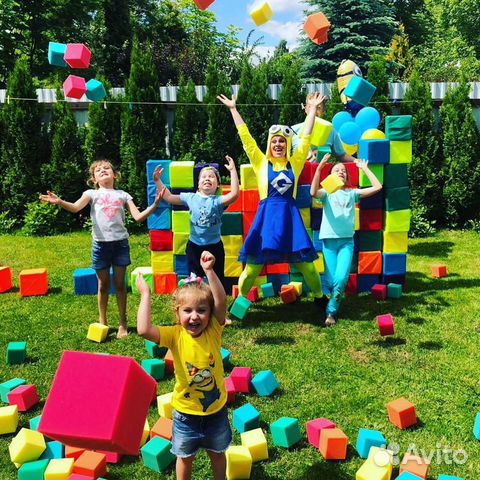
x: 402, y: 413
x: 162, y: 428
x: 33, y: 282
x: 169, y: 364
x: 370, y: 263
x: 439, y: 271
x: 165, y: 283
x: 333, y: 444
x: 415, y: 465
x: 93, y: 464
x: 278, y: 268
x: 5, y: 279
x: 288, y: 294
x: 317, y: 27
x: 73, y: 452
x: 235, y: 292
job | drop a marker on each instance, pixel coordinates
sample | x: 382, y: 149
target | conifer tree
x: 378, y: 76
x: 291, y: 97
x: 334, y: 103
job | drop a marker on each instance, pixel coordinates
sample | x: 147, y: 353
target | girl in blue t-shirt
x: 206, y: 210
x: 337, y: 229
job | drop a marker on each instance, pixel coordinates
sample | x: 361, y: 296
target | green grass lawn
x: 347, y: 373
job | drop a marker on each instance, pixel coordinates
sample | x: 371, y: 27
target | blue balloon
x: 367, y: 118
x: 350, y: 133
x: 340, y: 118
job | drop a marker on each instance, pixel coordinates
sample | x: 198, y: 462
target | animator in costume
x: 278, y: 234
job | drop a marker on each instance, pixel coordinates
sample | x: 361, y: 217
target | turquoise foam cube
x: 476, y: 427
x: 154, y: 367
x: 285, y: 432
x: 95, y: 90
x: 225, y: 357
x: 152, y: 165
x: 408, y: 476
x: 56, y: 52
x: 246, y: 418
x: 8, y: 386
x: 449, y: 477
x: 394, y: 290
x: 367, y: 439
x: 267, y: 290
x: 359, y: 90
x: 53, y: 450
x: 33, y: 470
x: 154, y: 350
x: 156, y: 454
x: 240, y: 307
x: 16, y: 352
x: 33, y: 423
x: 265, y: 383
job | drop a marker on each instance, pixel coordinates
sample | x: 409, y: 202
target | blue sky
x: 288, y: 19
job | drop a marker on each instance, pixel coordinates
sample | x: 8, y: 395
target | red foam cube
x: 353, y: 176
x: 92, y: 464
x: 379, y: 291
x: 165, y: 283
x: 371, y: 220
x: 161, y: 240
x: 439, y: 271
x: 77, y: 55
x: 250, y: 200
x: 203, y: 4
x: 307, y: 174
x: 235, y: 292
x: 317, y: 27
x: 326, y: 170
x: 25, y: 396
x: 352, y: 285
x: 314, y: 429
x: 278, y: 268
x: 236, y: 206
x: 386, y: 324
x: 5, y: 279
x: 247, y: 219
x: 230, y: 388
x: 253, y: 294
x: 112, y: 457
x: 401, y: 412
x: 74, y: 87
x: 241, y: 378
x: 288, y: 294
x: 77, y: 476
x: 33, y: 282
x: 98, y: 402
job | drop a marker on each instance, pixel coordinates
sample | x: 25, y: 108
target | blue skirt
x: 278, y: 235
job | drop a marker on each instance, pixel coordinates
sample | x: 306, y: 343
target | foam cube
x: 315, y: 428
x: 163, y: 428
x: 53, y: 450
x: 250, y: 201
x: 374, y: 151
x: 97, y: 332
x: 372, y: 202
x: 180, y: 263
x: 245, y: 418
x: 394, y: 263
x: 161, y: 240
x: 248, y: 179
x: 400, y: 152
x: 147, y: 273
x: 154, y: 367
x: 379, y: 291
x: 77, y: 55
x: 165, y: 283
x: 288, y: 294
x: 233, y: 268
x: 316, y: 27
x: 359, y: 90
x: 162, y: 262
x: 240, y: 307
x: 267, y: 290
x: 154, y: 350
x: 26, y: 446
x: 304, y: 199
x: 396, y: 176
x: 146, y: 433
x: 95, y: 90
x: 33, y: 470
x: 365, y: 283
x: 262, y: 14
x: 152, y: 165
x: 397, y: 199
x: 369, y: 241
x: 476, y: 427
x: 402, y: 413
x: 408, y: 476
x: 33, y: 423
x: 232, y: 224
x: 394, y: 290
x: 74, y: 416
x: 77, y: 476
x: 180, y: 241
x: 377, y: 170
x: 371, y: 220
x: 59, y: 469
x: 239, y: 462
x: 203, y: 4
x: 181, y: 175
x: 8, y: 386
x: 439, y: 271
x: 242, y: 379
x: 256, y: 443
x: 265, y: 383
x: 169, y: 362
x: 448, y: 477
x: 285, y: 432
x: 85, y: 281
x: 395, y: 242
x: 386, y: 324
x: 73, y: 452
x: 111, y: 457
x: 164, y: 405
x: 297, y: 286
x: 398, y: 220
x: 16, y: 352
x: 90, y: 463
x: 156, y: 454
x: 399, y: 127
x: 371, y: 471
x: 333, y: 444
x: 232, y: 244
x: 74, y: 87
x: 5, y: 279
x: 230, y: 388
x: 180, y: 224
x: 24, y: 396
x: 56, y: 54
x: 253, y: 294
x: 367, y: 439
x: 369, y: 263
x: 332, y: 183
x: 352, y: 285
x: 225, y: 357
x: 8, y: 419
x: 33, y: 282
x: 160, y: 219
x: 416, y: 465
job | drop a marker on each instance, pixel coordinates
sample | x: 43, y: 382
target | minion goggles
x: 282, y: 130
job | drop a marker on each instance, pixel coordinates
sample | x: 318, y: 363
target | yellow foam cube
x: 256, y: 443
x: 180, y: 221
x: 262, y: 14
x: 97, y: 332
x: 248, y: 179
x: 400, y: 151
x: 382, y: 457
x: 26, y: 446
x: 319, y: 263
x: 357, y: 218
x: 398, y: 221
x: 232, y: 244
x: 164, y: 404
x: 146, y: 433
x: 8, y: 419
x: 370, y: 471
x: 316, y: 203
x: 332, y: 183
x: 162, y: 262
x: 59, y: 469
x: 297, y: 286
x: 181, y: 174
x: 395, y: 242
x: 180, y: 241
x: 321, y: 131
x: 239, y: 462
x: 233, y: 268
x: 306, y: 217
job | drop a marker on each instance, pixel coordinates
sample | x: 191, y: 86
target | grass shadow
x: 416, y: 320
x: 271, y: 340
x: 431, y: 249
x: 55, y: 290
x: 389, y: 342
x: 431, y: 345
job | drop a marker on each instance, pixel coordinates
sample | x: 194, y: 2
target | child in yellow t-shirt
x: 200, y: 418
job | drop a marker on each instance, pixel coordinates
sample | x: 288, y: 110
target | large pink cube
x: 314, y: 429
x: 98, y: 402
x: 386, y: 324
x: 25, y: 396
x: 74, y: 87
x: 241, y: 378
x: 77, y: 55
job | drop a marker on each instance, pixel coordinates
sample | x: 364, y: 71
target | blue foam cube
x: 53, y: 450
x: 33, y: 423
x: 304, y: 199
x: 369, y: 438
x: 277, y: 280
x: 95, y: 90
x: 267, y: 290
x: 152, y: 194
x: 316, y: 215
x: 153, y: 164
x: 85, y: 281
x: 317, y: 242
x: 399, y: 279
x: 374, y: 151
x: 394, y: 264
x: 408, y: 476
x: 154, y: 367
x: 225, y: 357
x: 265, y: 383
x: 366, y: 282
x: 285, y: 432
x: 56, y: 52
x: 359, y: 90
x: 240, y: 307
x: 246, y: 418
x: 160, y: 219
x: 373, y: 202
x: 181, y: 265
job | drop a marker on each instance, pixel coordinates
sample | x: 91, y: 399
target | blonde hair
x: 91, y: 170
x: 201, y: 291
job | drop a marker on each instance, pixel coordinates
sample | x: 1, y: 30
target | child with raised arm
x: 110, y: 237
x: 200, y: 418
x: 206, y: 210
x: 337, y: 229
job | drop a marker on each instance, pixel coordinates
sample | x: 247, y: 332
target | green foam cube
x: 154, y: 350
x: 154, y: 367
x: 8, y: 386
x: 33, y: 470
x: 377, y: 170
x: 181, y: 221
x: 370, y: 241
x: 16, y: 352
x: 156, y: 454
x: 397, y: 199
x: 285, y: 432
x: 400, y: 151
x: 232, y: 223
x: 147, y: 275
x: 240, y: 307
x: 398, y: 221
x: 399, y: 127
x: 394, y: 290
x: 395, y: 176
x: 181, y: 174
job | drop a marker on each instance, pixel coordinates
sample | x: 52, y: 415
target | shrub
x: 420, y: 226
x: 43, y: 219
x: 7, y: 223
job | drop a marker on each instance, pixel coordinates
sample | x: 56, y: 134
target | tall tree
x: 378, y: 76
x: 415, y: 18
x: 360, y: 28
x: 334, y: 104
x: 291, y: 97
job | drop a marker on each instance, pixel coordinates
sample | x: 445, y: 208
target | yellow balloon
x: 350, y: 149
x: 373, y: 134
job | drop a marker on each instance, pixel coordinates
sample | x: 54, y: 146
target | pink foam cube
x: 230, y: 388
x: 379, y: 291
x: 74, y: 87
x: 253, y: 294
x: 98, y: 402
x: 386, y: 324
x: 78, y: 476
x: 77, y: 55
x: 314, y: 429
x: 241, y: 378
x: 112, y: 457
x: 25, y: 396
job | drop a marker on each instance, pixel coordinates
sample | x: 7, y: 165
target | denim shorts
x: 106, y: 254
x: 193, y: 432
